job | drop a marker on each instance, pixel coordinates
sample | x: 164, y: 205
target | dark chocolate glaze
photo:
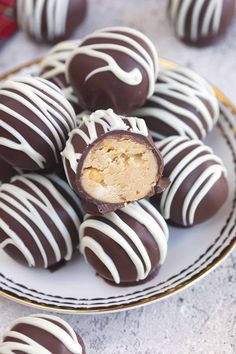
x: 76, y: 13
x: 105, y: 90
x: 22, y: 229
x: 210, y: 37
x: 62, y: 118
x: 213, y: 200
x: 43, y: 337
x: 122, y: 261
x: 6, y: 172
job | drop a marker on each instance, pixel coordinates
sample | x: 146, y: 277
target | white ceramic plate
x: 192, y: 252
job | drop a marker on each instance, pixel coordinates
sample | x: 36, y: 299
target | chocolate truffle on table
x: 35, y: 119
x: 39, y: 220
x: 126, y: 246
x: 183, y: 104
x: 50, y: 20
x: 201, y: 22
x: 198, y: 178
x: 42, y: 334
x: 111, y: 160
x: 114, y: 68
x: 52, y: 68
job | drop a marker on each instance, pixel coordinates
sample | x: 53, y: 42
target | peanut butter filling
x: 117, y: 171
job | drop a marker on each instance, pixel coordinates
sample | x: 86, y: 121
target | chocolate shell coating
x: 114, y: 68
x: 48, y: 20
x: 39, y: 220
x: 198, y: 178
x: 7, y: 172
x: 35, y: 119
x: 125, y: 246
x: 97, y: 127
x: 183, y: 104
x: 53, y: 67
x: 42, y: 333
x: 201, y: 23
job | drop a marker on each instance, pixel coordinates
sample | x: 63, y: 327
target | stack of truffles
x: 106, y: 178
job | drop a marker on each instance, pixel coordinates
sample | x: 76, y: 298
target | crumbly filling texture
x: 119, y: 170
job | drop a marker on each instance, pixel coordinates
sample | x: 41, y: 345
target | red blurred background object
x: 8, y: 24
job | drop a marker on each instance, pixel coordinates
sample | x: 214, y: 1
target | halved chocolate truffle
x: 50, y: 20
x: 198, y: 178
x: 201, y: 22
x: 126, y: 246
x: 35, y: 119
x: 53, y: 67
x: 114, y: 68
x: 42, y: 334
x: 39, y: 220
x: 183, y: 104
x: 111, y: 160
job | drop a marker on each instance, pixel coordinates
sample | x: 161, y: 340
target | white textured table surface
x: 201, y: 319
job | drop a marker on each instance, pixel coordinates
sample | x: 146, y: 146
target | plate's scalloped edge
x: 149, y: 299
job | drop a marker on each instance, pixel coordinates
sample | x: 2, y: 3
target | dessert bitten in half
x: 111, y: 160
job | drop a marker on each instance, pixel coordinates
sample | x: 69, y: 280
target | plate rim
x: 150, y: 299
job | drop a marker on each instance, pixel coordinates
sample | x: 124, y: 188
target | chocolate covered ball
x: 114, y: 68
x: 35, y: 119
x: 50, y: 20
x: 198, y: 178
x: 183, y: 104
x: 200, y: 22
x: 41, y: 334
x: 39, y: 220
x: 111, y: 160
x: 125, y: 246
x: 52, y: 68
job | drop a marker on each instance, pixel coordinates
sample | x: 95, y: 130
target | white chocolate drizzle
x: 54, y: 65
x: 149, y: 62
x: 179, y: 15
x: 144, y: 213
x: 109, y: 121
x: 30, y: 17
x: 187, y: 88
x: 48, y: 106
x: 15, y: 201
x: 170, y: 148
x: 52, y: 325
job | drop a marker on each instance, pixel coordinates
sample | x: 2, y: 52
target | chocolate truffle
x: 183, y: 104
x: 125, y: 246
x: 39, y: 220
x: 198, y: 178
x: 50, y: 20
x: 200, y: 22
x: 52, y: 68
x: 7, y: 172
x: 111, y: 160
x: 42, y: 334
x: 114, y: 68
x: 35, y: 119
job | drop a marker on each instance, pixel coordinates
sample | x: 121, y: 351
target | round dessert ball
x: 126, y: 246
x: 35, y: 119
x: 39, y: 220
x: 42, y: 334
x: 53, y: 66
x: 111, y: 160
x: 200, y: 22
x: 50, y: 20
x: 114, y: 68
x: 183, y: 103
x: 198, y: 178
